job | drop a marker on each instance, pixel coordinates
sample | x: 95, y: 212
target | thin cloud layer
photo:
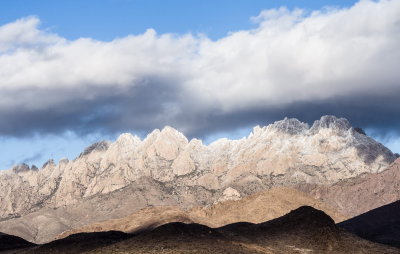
x: 293, y: 63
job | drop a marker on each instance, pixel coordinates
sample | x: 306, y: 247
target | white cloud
x: 24, y: 33
x: 291, y: 56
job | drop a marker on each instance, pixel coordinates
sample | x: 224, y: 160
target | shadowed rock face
x: 360, y: 130
x: 21, y: 168
x: 303, y: 230
x: 99, y: 146
x: 380, y: 225
x: 49, y: 163
x: 171, y: 170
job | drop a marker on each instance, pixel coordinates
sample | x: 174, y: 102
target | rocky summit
x: 110, y: 180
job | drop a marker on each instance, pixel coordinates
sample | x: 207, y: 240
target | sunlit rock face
x: 285, y: 153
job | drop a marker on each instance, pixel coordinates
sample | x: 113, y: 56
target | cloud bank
x: 293, y: 63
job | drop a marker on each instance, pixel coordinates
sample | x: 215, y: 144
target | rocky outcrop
x: 98, y: 146
x: 176, y: 171
x: 21, y: 168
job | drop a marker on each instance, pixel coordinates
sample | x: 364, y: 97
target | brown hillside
x: 256, y: 208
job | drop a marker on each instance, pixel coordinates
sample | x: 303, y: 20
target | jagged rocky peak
x: 167, y: 134
x: 48, y: 163
x: 291, y: 126
x: 98, y: 146
x: 257, y: 130
x: 169, y: 142
x: 331, y: 122
x: 23, y: 167
x: 196, y: 142
x: 125, y: 143
x: 63, y: 160
x: 128, y: 138
x: 170, y: 132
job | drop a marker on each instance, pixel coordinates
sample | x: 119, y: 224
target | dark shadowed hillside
x: 9, y: 242
x: 380, y: 225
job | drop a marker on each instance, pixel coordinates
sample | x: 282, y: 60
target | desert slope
x: 257, y: 208
x: 354, y: 196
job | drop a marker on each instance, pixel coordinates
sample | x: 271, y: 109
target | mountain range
x: 133, y: 184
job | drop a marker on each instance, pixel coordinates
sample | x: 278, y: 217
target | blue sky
x: 76, y: 72
x: 108, y: 19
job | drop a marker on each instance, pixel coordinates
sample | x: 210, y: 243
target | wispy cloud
x: 337, y: 61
